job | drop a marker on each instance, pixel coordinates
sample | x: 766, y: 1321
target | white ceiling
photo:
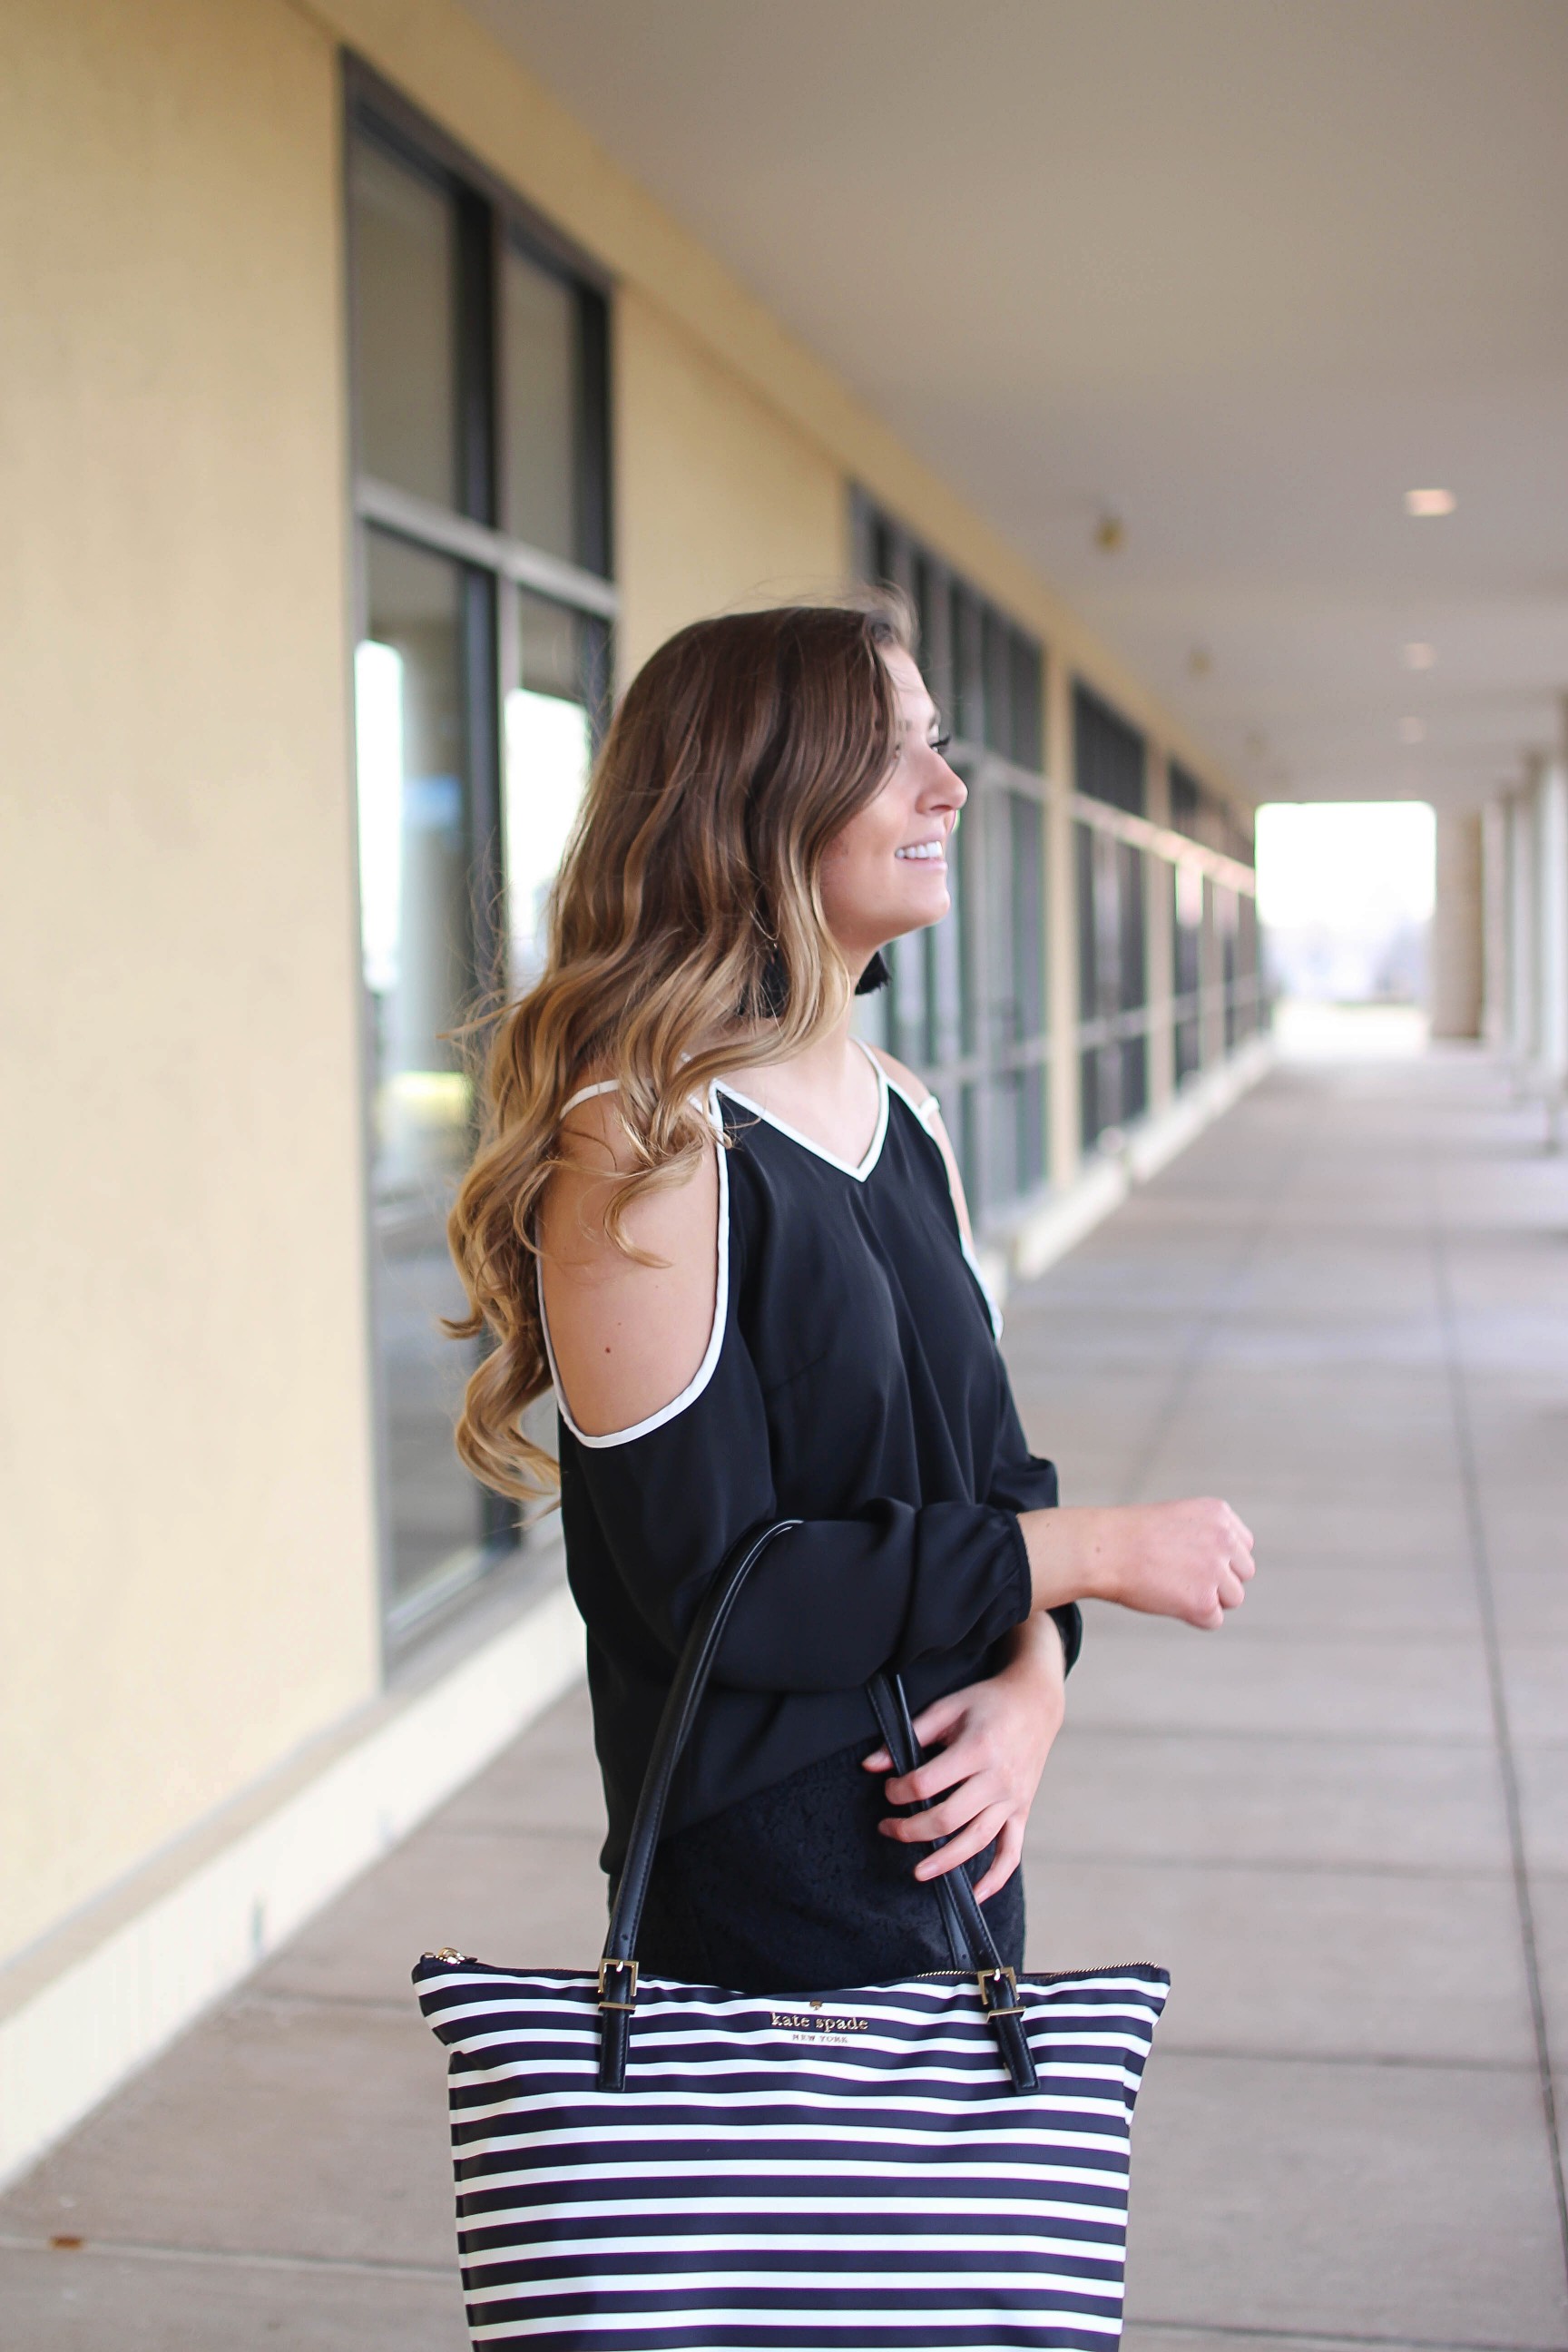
x: 1241, y: 271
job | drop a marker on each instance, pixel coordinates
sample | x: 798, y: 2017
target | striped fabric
x: 853, y: 2174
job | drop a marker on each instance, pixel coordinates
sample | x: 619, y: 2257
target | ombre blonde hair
x: 686, y: 938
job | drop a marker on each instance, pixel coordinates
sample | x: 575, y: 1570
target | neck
x: 830, y: 1056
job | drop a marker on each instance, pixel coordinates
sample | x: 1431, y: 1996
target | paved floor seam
x: 1328, y: 2335
x: 227, y: 2257
x: 1287, y: 1866
x: 1445, y: 1741
x: 1475, y: 1520
x: 1419, y: 2062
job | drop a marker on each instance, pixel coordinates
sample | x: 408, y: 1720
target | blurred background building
x: 383, y: 380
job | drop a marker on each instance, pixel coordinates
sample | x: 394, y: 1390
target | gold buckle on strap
x: 629, y: 1967
x: 999, y: 1992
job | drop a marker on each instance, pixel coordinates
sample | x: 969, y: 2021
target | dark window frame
x: 489, y: 216
x: 959, y: 1010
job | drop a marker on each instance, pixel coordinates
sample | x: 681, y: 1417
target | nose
x: 948, y: 789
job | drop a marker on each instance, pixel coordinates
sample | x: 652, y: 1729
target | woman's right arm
x: 1191, y: 1560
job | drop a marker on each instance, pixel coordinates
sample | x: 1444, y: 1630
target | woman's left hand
x: 995, y: 1737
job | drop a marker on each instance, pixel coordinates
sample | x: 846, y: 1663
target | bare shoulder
x: 628, y: 1337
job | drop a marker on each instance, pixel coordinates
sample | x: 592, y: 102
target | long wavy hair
x: 685, y: 938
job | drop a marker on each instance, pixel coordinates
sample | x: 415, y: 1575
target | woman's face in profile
x: 886, y: 872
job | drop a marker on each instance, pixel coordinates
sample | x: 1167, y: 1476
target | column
x: 1520, y: 931
x: 1494, y: 923
x: 1551, y: 950
x: 1454, y: 985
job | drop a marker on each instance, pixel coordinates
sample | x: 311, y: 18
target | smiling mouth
x: 925, y: 853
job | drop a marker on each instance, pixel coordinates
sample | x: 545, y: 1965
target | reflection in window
x: 967, y: 1005
x: 404, y: 282
x: 1227, y: 925
x: 550, y: 719
x: 1027, y: 1000
x: 539, y: 357
x: 1112, y: 981
x: 1187, y: 972
x: 415, y: 819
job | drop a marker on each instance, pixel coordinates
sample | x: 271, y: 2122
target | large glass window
x: 480, y: 674
x: 1110, y: 759
x: 967, y: 1005
x: 1187, y: 968
x: 1113, y: 1015
x: 1228, y: 921
x: 403, y: 238
x: 1109, y: 770
x: 415, y: 813
x: 552, y: 707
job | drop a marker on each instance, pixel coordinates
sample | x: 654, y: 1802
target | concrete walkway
x: 1343, y: 1822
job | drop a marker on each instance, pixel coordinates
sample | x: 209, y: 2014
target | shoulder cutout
x: 631, y: 1344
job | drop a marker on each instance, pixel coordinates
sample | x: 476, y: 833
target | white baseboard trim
x: 1035, y: 1241
x: 97, y: 1999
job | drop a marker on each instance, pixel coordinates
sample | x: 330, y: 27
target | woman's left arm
x: 993, y: 1737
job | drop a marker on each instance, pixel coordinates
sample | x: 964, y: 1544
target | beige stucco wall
x: 1455, y: 984
x: 185, y: 1394
x: 720, y: 501
x: 187, y: 1558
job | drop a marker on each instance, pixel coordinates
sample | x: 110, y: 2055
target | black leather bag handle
x: 967, y: 1930
x: 969, y: 1939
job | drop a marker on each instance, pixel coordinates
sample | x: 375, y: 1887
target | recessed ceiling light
x: 1412, y: 730
x: 1429, y: 502
x: 1420, y: 656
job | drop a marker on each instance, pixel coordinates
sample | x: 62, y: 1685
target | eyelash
x: 942, y: 743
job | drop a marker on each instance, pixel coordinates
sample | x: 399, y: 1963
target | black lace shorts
x: 794, y: 1891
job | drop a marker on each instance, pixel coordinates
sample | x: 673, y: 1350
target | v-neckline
x: 820, y: 1150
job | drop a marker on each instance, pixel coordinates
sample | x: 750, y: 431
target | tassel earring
x: 773, y: 988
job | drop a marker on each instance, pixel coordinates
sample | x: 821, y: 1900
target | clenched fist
x: 1191, y: 1560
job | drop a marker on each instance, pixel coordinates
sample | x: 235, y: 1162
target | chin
x: 918, y: 918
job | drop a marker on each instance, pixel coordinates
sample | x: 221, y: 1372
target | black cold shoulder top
x: 852, y: 1380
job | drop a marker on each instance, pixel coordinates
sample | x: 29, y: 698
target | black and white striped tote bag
x: 647, y: 2165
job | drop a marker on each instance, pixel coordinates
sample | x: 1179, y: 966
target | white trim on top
x: 704, y: 1373
x: 820, y: 1150
x: 925, y: 1112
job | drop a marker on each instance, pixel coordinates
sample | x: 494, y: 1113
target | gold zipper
x: 1043, y: 1976
x: 921, y: 1976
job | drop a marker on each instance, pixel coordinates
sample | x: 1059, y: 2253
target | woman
x: 735, y: 1239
